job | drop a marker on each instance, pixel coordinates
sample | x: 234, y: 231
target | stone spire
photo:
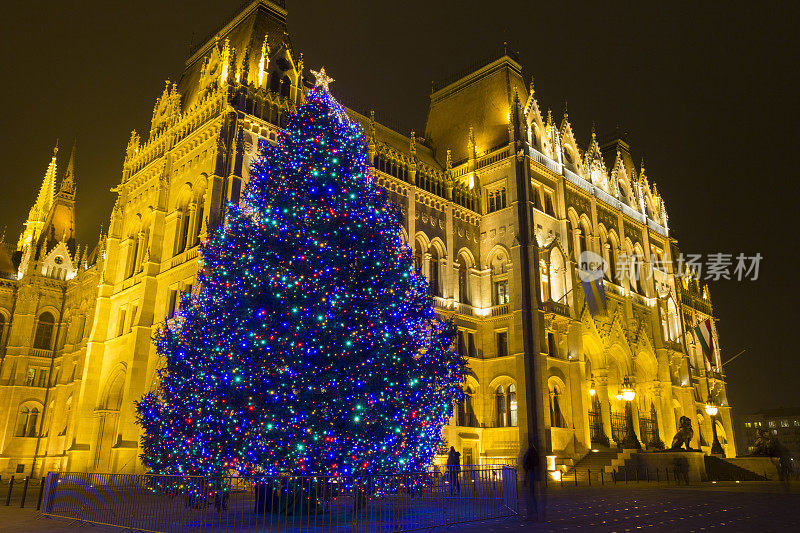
x: 59, y: 224
x: 67, y: 186
x: 44, y: 201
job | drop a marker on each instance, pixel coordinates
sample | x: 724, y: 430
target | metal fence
x: 390, y: 502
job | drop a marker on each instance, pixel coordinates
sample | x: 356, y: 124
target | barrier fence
x: 389, y: 502
x: 624, y: 475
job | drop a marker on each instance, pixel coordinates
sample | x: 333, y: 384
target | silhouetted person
x: 453, y: 470
x: 681, y: 467
x: 531, y: 466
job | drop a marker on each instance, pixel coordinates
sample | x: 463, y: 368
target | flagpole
x: 734, y: 357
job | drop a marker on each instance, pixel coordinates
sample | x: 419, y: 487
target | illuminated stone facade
x: 491, y: 186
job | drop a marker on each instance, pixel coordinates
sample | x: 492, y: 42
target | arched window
x: 466, y: 413
x: 673, y: 320
x: 22, y: 421
x: 67, y: 416
x: 558, y: 276
x: 463, y: 281
x: 548, y: 204
x: 611, y: 271
x: 286, y: 85
x: 133, y: 250
x: 581, y: 246
x: 500, y: 277
x: 2, y: 328
x: 44, y: 331
x: 544, y: 279
x: 26, y: 424
x: 500, y: 409
x: 537, y: 199
x: 433, y: 272
x: 275, y: 82
x: 556, y: 417
x: 512, y: 405
x: 198, y: 221
x: 418, y: 257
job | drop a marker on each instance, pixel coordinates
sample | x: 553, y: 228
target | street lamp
x: 592, y: 390
x: 711, y: 411
x: 627, y: 393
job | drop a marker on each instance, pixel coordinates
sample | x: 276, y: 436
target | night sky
x: 707, y: 92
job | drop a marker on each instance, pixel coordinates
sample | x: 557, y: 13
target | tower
x: 38, y: 213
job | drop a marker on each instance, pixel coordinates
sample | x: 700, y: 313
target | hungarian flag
x: 704, y: 337
x: 595, y: 292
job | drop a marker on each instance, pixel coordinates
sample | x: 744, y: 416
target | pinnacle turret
x: 44, y: 201
x: 67, y: 186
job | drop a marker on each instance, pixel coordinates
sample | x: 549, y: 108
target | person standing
x: 530, y: 464
x: 453, y: 470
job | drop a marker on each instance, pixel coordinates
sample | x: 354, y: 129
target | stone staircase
x: 589, y: 468
x: 724, y: 470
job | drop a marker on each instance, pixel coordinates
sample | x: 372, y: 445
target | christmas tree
x: 310, y: 345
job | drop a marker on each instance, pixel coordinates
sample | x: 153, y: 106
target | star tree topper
x: 323, y: 80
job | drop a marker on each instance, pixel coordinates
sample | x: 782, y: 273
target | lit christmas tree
x: 311, y: 345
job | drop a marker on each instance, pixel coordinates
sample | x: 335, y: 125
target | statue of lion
x: 684, y: 435
x: 764, y: 444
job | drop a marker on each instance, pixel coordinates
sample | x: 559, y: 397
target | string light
x: 311, y: 345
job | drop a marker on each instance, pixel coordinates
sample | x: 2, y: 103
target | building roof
x: 245, y: 32
x: 481, y: 98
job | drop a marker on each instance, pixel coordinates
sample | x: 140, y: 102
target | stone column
x: 655, y: 391
x: 601, y: 380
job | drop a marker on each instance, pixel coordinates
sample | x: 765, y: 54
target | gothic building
x: 499, y: 203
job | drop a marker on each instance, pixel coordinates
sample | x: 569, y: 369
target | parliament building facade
x: 499, y: 203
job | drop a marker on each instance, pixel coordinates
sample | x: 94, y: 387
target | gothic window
x: 552, y: 347
x: 185, y: 224
x: 506, y: 406
x: 500, y: 292
x: 548, y: 204
x: 634, y: 272
x: 502, y: 343
x: 460, y: 346
x: 581, y: 244
x: 500, y: 407
x: 471, y: 344
x: 611, y: 271
x: 198, y: 221
x: 274, y: 82
x: 26, y: 423
x: 286, y: 85
x: 544, y: 281
x: 463, y: 281
x: 537, y: 199
x: 133, y: 249
x: 121, y: 322
x: 141, y: 248
x: 512, y: 405
x: 418, y: 257
x: 558, y: 276
x: 44, y: 331
x: 172, y: 303
x: 496, y: 199
x: 556, y: 417
x: 433, y: 274
x: 2, y: 328
x: 465, y: 413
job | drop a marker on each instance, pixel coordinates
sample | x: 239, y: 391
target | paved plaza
x: 760, y: 507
